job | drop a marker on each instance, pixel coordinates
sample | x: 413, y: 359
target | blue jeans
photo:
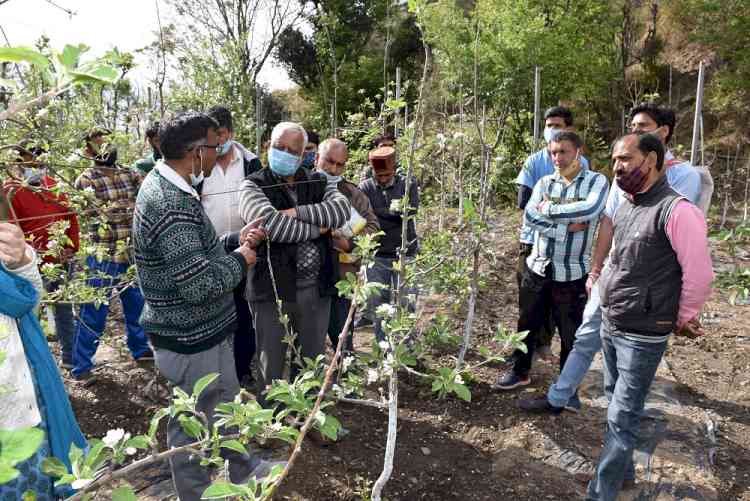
x: 587, y: 344
x: 92, y: 320
x: 629, y: 370
x: 381, y: 271
x: 64, y: 325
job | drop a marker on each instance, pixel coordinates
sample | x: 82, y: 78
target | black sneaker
x: 511, y: 381
x: 539, y: 405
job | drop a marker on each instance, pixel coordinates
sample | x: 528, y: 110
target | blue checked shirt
x: 537, y: 166
x: 555, y: 204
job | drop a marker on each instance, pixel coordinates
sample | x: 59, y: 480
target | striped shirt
x: 537, y: 166
x: 115, y: 198
x: 332, y: 212
x: 554, y: 205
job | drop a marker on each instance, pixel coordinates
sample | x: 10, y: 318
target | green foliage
x: 17, y: 446
x: 736, y: 283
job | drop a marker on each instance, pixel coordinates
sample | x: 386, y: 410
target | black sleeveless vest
x: 284, y: 255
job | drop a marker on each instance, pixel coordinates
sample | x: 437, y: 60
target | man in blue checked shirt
x: 556, y: 120
x: 563, y: 212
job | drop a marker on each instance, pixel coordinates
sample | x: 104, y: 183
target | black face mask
x: 106, y: 158
x: 157, y: 153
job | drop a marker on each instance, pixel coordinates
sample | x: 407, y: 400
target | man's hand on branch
x: 13, y: 246
x: 248, y: 254
x: 253, y: 233
x: 341, y: 244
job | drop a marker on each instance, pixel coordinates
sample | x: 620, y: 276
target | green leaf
x: 234, y: 445
x: 124, y: 493
x: 221, y: 490
x: 139, y: 442
x: 154, y: 425
x: 191, y: 426
x: 202, y: 383
x: 71, y: 54
x: 19, y: 445
x: 95, y: 454
x: 470, y: 212
x: 462, y: 391
x: 7, y: 473
x: 100, y: 72
x: 53, y: 467
x: 24, y: 54
x: 28, y: 496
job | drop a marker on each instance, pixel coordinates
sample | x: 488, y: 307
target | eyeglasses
x: 337, y: 164
x: 214, y: 147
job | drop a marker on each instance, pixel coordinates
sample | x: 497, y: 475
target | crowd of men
x: 224, y: 247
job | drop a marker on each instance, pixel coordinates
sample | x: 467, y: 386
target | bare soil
x: 695, y: 431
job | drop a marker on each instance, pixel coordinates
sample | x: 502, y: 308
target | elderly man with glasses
x: 298, y: 266
x: 331, y: 162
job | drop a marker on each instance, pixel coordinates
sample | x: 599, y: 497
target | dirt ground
x: 695, y: 431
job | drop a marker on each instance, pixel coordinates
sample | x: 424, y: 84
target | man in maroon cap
x: 386, y: 190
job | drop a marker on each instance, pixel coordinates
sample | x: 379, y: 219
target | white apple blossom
x: 113, y: 437
x: 372, y: 376
x: 386, y: 311
x: 458, y: 379
x: 130, y: 451
x: 81, y: 483
x: 384, y: 345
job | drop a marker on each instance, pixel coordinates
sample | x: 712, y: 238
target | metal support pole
x: 698, y: 119
x: 537, y: 98
x: 398, y: 97
x: 258, y: 120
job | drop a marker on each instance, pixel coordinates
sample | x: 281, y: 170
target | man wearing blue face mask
x: 311, y: 150
x: 220, y: 197
x: 299, y: 208
x: 556, y: 120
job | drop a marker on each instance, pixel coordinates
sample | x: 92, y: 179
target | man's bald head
x: 332, y: 156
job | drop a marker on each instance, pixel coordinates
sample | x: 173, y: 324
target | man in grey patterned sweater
x: 187, y: 275
x: 298, y: 266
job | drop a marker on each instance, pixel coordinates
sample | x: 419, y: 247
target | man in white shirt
x: 220, y: 197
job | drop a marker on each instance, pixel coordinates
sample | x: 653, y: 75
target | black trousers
x: 339, y: 311
x: 547, y: 331
x: 244, y: 336
x: 538, y: 298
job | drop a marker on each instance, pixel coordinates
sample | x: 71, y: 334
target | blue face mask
x: 308, y: 159
x: 282, y: 163
x: 551, y: 133
x: 224, y: 148
x: 331, y: 178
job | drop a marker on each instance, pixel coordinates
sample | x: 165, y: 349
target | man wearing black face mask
x: 112, y: 191
x: 660, y: 247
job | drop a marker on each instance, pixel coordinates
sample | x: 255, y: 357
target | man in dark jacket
x: 660, y: 247
x: 220, y: 197
x: 386, y: 191
x: 299, y: 209
x: 331, y: 161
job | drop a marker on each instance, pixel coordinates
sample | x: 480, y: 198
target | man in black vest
x: 660, y: 247
x: 299, y: 209
x: 386, y: 191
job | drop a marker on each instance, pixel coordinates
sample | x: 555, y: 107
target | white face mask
x: 551, y: 133
x: 196, y: 180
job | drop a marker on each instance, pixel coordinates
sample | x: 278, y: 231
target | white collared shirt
x: 173, y: 177
x: 220, y: 195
